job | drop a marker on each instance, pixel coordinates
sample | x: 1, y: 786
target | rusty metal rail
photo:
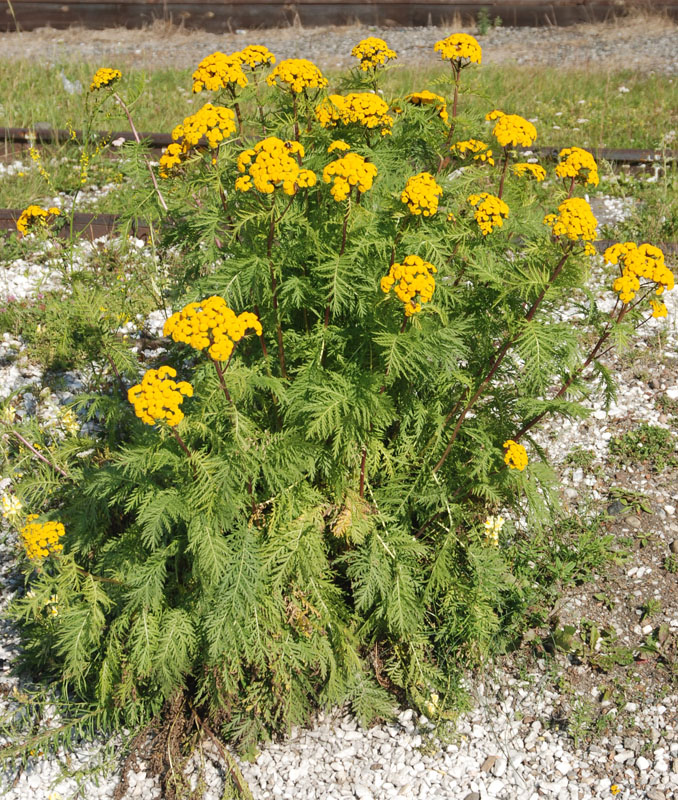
x: 44, y: 135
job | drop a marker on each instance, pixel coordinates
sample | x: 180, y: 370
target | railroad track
x: 96, y: 225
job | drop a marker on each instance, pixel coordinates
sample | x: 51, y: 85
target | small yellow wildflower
x: 297, y: 74
x: 533, y: 170
x: 35, y: 214
x: 357, y: 108
x: 510, y: 129
x: 105, y: 76
x: 640, y: 261
x: 658, y: 308
x: 70, y: 422
x: 427, y: 98
x: 409, y: 280
x: 41, y: 539
x: 421, y: 194
x: 8, y: 414
x: 577, y: 163
x: 211, y: 324
x: 493, y: 526
x: 372, y: 53
x: 271, y: 163
x: 482, y: 151
x: 491, y: 211
x: 614, y: 789
x: 459, y: 47
x: 219, y: 71
x: 158, y: 397
x: 349, y: 171
x: 575, y: 221
x: 215, y: 123
x: 11, y: 507
x: 170, y: 158
x: 256, y: 55
x: 338, y: 144
x: 515, y: 456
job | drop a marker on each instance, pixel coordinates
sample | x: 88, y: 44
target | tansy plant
x: 298, y: 502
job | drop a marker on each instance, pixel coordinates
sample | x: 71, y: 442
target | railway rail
x: 96, y: 225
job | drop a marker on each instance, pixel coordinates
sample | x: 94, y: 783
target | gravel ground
x: 637, y: 43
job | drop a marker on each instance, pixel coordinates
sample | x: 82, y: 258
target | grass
x: 595, y: 114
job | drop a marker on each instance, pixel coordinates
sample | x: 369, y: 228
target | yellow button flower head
x: 357, y: 108
x: 577, y: 163
x: 412, y: 281
x: 215, y: 123
x: 105, y: 76
x: 372, y: 53
x: 297, y: 74
x: 640, y: 261
x: 575, y: 221
x: 515, y: 456
x: 41, y: 539
x: 349, y: 171
x: 427, y: 98
x: 510, y: 129
x: 658, y: 308
x: 339, y: 144
x: 482, y: 151
x: 421, y: 194
x: 491, y: 211
x: 533, y: 170
x: 270, y: 163
x: 35, y: 215
x: 219, y: 71
x: 158, y: 397
x: 459, y: 47
x: 211, y: 324
x: 256, y: 55
x: 170, y: 158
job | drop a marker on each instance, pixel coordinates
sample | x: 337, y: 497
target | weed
x: 671, y: 564
x: 650, y: 608
x: 647, y: 444
x: 632, y: 501
x: 581, y: 458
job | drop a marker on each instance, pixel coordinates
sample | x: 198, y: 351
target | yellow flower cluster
x: 372, y: 53
x: 158, y: 397
x: 361, y: 108
x: 515, y: 456
x: 510, y: 129
x: 640, y: 261
x: 410, y: 279
x: 32, y: 214
x: 427, y: 98
x: 297, y: 74
x: 41, y: 539
x: 215, y: 123
x: 212, y: 324
x: 170, y: 158
x: 459, y: 46
x: 533, y: 170
x: 658, y: 308
x: 574, y: 220
x: 577, y: 163
x: 483, y: 152
x: 493, y: 526
x: 491, y: 211
x: 274, y: 164
x: 11, y: 506
x: 339, y: 144
x: 421, y: 194
x: 218, y: 71
x: 256, y: 55
x: 346, y: 172
x: 105, y: 76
